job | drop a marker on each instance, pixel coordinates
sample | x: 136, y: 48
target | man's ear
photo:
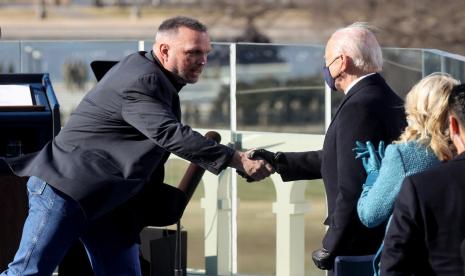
x: 454, y: 128
x: 345, y: 61
x: 456, y: 132
x: 164, y: 49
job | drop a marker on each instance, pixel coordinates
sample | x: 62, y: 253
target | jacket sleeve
x: 377, y: 201
x: 152, y: 114
x: 357, y: 121
x: 403, y: 244
x: 300, y: 165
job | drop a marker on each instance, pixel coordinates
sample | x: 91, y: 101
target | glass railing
x: 277, y: 87
x: 255, y: 95
x: 68, y: 63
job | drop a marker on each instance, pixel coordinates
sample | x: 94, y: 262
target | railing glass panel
x: 10, y: 59
x: 68, y: 63
x: 280, y: 88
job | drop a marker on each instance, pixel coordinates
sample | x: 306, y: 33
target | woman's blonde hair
x: 426, y: 106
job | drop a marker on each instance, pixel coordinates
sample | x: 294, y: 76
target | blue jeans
x: 55, y: 222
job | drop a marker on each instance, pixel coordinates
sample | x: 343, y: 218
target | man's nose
x: 203, y: 59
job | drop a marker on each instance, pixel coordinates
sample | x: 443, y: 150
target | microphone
x: 194, y: 172
x: 188, y: 184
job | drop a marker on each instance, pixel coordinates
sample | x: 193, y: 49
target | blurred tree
x: 409, y: 24
x: 41, y: 9
x: 11, y: 68
x: 252, y: 34
x: 98, y: 3
x: 136, y: 9
x: 75, y: 74
x: 250, y: 11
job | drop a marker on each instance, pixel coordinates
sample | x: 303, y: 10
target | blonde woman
x: 425, y: 142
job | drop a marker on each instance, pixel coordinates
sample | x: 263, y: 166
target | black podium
x: 24, y: 128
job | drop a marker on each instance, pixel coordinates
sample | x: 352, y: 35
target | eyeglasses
x: 336, y: 58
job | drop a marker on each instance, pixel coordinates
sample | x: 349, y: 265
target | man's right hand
x: 264, y: 154
x: 255, y: 169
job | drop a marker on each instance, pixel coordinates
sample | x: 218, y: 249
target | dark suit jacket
x: 428, y: 223
x: 462, y: 252
x: 119, y: 137
x: 369, y: 111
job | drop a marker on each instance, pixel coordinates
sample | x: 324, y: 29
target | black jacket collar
x: 177, y: 81
x: 373, y: 79
x: 460, y: 156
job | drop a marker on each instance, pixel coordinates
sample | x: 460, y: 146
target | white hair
x: 359, y: 42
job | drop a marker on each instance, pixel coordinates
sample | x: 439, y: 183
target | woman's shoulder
x: 413, y: 147
x: 414, y: 155
x: 400, y: 148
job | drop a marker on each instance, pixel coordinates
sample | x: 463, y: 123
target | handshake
x: 256, y: 164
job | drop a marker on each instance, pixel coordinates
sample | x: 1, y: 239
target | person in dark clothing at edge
x: 428, y: 222
x: 370, y: 110
x: 107, y: 164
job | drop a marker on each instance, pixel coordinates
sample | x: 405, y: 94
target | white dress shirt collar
x: 356, y: 81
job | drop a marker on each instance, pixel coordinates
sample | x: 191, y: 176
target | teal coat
x: 377, y: 199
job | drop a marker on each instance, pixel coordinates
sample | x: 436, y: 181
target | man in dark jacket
x: 371, y: 111
x: 428, y: 223
x: 92, y: 182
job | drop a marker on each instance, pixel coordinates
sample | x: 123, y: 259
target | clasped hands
x: 251, y: 166
x: 257, y: 164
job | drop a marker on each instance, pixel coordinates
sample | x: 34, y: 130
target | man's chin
x: 192, y: 79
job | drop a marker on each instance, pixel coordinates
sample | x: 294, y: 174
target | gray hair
x: 457, y: 102
x: 359, y: 42
x: 172, y: 25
